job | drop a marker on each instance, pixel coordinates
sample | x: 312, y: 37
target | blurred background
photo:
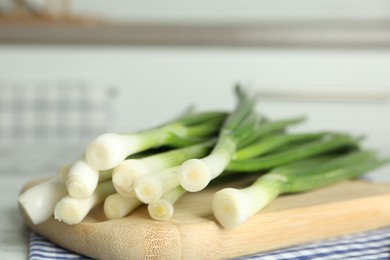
x: 70, y: 70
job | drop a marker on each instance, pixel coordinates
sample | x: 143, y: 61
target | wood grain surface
x: 193, y: 232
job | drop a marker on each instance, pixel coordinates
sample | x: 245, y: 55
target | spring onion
x: 163, y: 209
x: 157, y: 166
x: 81, y: 179
x: 38, y: 202
x: 73, y: 211
x: 152, y: 186
x: 63, y: 171
x: 328, y: 143
x: 109, y: 150
x: 129, y: 171
x: 232, y: 207
x: 116, y: 206
x: 195, y: 174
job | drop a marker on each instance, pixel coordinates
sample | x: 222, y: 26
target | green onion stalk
x: 39, y: 201
x: 109, y: 150
x: 81, y: 179
x: 163, y: 209
x: 232, y: 207
x: 329, y: 143
x: 73, y: 211
x: 195, y: 174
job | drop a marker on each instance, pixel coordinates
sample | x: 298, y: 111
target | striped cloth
x: 362, y: 246
x: 41, y: 248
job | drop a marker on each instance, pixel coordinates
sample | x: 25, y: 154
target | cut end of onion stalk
x: 81, y: 180
x: 116, y: 206
x: 113, y: 206
x: 231, y: 207
x: 107, y: 151
x: 123, y: 182
x: 126, y: 174
x: 70, y: 212
x: 78, y: 190
x: 194, y: 175
x: 148, y: 190
x: 151, y: 187
x: 161, y: 210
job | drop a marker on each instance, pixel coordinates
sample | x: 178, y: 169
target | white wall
x: 158, y: 83
x: 232, y: 10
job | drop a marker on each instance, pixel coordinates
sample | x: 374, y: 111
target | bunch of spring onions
x: 158, y: 166
x: 88, y: 181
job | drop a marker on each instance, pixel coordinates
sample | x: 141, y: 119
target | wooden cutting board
x: 194, y: 233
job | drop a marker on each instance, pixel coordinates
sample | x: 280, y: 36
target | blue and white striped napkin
x: 41, y: 248
x: 362, y: 246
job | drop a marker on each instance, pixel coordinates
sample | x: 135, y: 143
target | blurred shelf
x: 294, y: 34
